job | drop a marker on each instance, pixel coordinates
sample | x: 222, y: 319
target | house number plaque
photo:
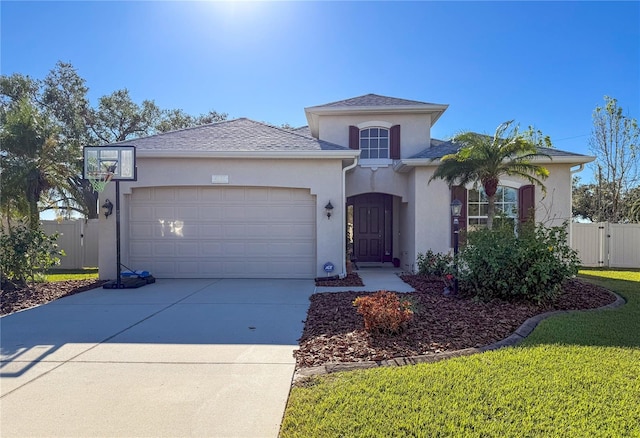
x: 219, y: 179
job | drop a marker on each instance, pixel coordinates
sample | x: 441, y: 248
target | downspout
x: 344, y: 215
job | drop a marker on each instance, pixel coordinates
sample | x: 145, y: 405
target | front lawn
x: 577, y: 375
x: 71, y: 274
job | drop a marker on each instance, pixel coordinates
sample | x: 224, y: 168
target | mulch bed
x: 13, y: 298
x: 334, y: 331
x: 351, y: 280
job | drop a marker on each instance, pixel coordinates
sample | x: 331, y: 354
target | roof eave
x: 331, y: 154
x: 406, y: 164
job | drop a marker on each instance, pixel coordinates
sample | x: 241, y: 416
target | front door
x: 372, y: 227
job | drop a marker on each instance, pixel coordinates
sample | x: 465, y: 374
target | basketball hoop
x: 101, y: 174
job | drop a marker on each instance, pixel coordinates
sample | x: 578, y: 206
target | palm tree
x: 485, y: 159
x: 34, y: 163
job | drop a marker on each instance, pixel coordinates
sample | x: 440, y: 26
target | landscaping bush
x: 432, y: 263
x: 531, y: 265
x: 27, y: 253
x: 383, y: 312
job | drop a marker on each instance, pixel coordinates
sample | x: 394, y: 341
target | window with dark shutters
x: 376, y: 143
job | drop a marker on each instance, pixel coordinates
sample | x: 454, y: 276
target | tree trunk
x: 491, y: 210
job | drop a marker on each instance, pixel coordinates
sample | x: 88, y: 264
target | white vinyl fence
x: 78, y: 239
x: 607, y: 245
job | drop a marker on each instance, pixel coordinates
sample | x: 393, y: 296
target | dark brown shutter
x: 354, y: 137
x: 394, y: 149
x: 526, y: 203
x: 460, y: 193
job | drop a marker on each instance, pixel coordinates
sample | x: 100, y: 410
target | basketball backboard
x: 117, y: 163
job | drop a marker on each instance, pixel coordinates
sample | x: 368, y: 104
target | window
x: 374, y: 143
x: 506, y: 206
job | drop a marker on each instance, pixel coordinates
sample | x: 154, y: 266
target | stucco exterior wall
x: 415, y: 131
x: 381, y: 180
x: 554, y: 207
x: 322, y: 177
x: 433, y: 212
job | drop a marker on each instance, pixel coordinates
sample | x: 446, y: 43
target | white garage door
x: 223, y: 232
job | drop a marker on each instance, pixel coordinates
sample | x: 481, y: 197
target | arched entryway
x: 370, y: 225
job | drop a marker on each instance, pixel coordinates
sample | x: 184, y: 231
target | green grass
x: 577, y: 375
x: 619, y: 327
x: 71, y: 274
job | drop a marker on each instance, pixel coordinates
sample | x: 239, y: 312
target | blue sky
x: 547, y: 64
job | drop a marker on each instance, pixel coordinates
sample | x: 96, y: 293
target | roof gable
x: 373, y: 100
x: 372, y: 104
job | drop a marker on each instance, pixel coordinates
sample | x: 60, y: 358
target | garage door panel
x: 141, y: 195
x: 211, y: 231
x: 138, y: 247
x: 188, y: 248
x: 142, y: 213
x: 141, y: 230
x: 187, y: 194
x: 208, y: 248
x: 228, y: 232
x: 188, y: 213
x: 209, y: 194
x: 234, y: 194
x: 207, y: 213
x: 187, y: 267
x: 167, y: 213
x: 163, y: 194
x: 257, y: 194
x: 233, y: 249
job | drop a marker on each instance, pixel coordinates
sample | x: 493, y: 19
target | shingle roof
x: 303, y: 130
x: 371, y: 100
x: 440, y: 148
x: 233, y: 135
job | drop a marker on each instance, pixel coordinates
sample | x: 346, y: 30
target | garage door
x: 223, y: 232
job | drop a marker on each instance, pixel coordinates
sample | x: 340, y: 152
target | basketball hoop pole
x: 118, y: 280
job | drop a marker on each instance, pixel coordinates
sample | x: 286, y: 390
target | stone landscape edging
x: 515, y: 338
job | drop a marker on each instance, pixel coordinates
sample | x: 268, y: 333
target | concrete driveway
x: 206, y: 358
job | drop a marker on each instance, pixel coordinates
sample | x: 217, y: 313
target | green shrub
x: 27, y: 253
x: 532, y: 265
x: 432, y: 263
x: 383, y: 312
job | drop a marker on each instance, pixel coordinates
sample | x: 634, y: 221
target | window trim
x: 515, y: 216
x: 375, y: 162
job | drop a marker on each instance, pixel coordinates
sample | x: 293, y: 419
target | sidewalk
x: 374, y: 279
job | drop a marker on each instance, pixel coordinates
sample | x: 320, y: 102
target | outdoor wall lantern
x: 328, y: 209
x: 456, y: 209
x: 108, y: 208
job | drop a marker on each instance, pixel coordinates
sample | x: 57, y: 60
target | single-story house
x: 243, y: 199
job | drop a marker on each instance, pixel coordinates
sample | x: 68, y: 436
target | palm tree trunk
x: 491, y: 211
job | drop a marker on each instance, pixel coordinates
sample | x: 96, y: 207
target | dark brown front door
x: 372, y: 227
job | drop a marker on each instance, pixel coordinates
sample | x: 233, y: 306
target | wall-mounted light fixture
x: 108, y: 208
x: 328, y: 209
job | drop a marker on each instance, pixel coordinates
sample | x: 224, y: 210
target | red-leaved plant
x: 383, y: 312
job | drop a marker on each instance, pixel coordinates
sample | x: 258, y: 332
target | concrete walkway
x: 206, y: 358
x: 375, y: 278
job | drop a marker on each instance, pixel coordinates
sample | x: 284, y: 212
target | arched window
x: 374, y: 143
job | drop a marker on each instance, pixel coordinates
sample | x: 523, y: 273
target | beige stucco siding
x: 415, y: 134
x: 323, y: 178
x: 379, y: 180
x: 554, y: 207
